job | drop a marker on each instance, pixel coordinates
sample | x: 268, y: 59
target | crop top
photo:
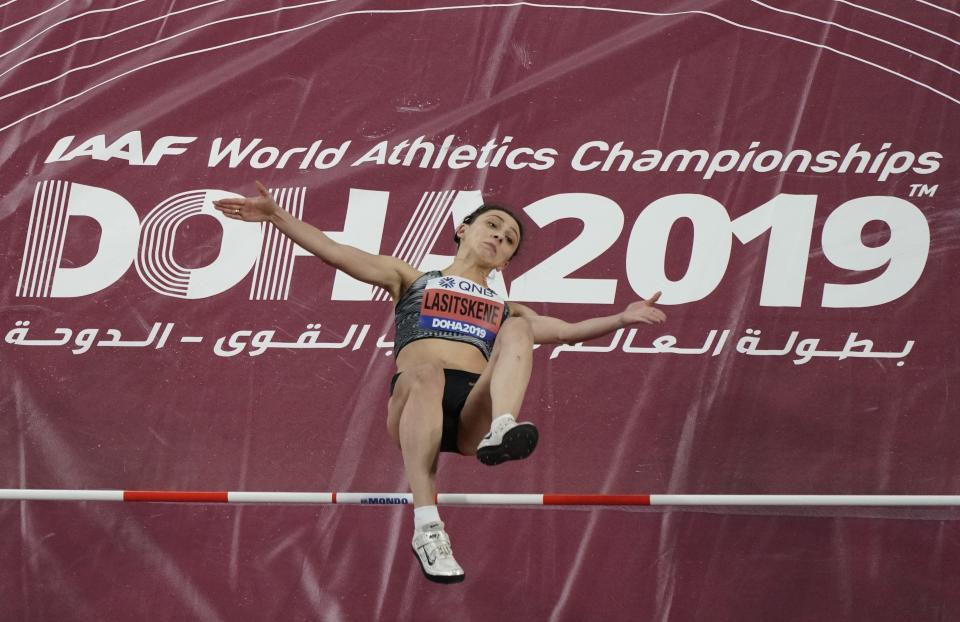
x: 449, y: 307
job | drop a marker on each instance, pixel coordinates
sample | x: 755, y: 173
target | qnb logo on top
x: 245, y: 248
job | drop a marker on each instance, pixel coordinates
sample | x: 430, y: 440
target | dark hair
x: 490, y: 207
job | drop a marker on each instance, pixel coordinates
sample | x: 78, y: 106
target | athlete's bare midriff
x: 443, y: 353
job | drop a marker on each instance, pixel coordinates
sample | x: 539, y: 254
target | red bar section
x: 176, y: 496
x: 596, y: 499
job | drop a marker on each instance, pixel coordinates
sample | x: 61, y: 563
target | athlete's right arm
x: 382, y: 270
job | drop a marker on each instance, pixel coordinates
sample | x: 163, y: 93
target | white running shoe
x: 431, y: 545
x: 507, y: 440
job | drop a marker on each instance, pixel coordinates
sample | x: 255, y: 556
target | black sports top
x: 449, y: 307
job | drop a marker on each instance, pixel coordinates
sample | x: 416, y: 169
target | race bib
x: 457, y: 305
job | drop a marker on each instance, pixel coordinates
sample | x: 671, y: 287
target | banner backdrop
x: 785, y: 172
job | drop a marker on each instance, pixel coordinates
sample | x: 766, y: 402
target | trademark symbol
x: 923, y: 190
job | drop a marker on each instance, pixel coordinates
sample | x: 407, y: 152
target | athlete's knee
x: 425, y: 378
x: 516, y: 330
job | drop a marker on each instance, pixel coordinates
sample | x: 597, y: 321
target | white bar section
x: 374, y: 498
x: 36, y: 494
x: 279, y: 497
x: 451, y: 498
x: 808, y: 500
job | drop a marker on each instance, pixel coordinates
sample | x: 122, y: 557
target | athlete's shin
x: 512, y: 362
x: 420, y: 447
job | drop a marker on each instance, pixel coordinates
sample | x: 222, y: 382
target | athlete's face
x: 493, y: 236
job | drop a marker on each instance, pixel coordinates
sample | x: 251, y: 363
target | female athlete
x: 463, y: 354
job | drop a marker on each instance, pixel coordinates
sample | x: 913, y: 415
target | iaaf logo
x: 246, y: 248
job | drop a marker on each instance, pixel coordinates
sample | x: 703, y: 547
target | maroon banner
x: 784, y: 172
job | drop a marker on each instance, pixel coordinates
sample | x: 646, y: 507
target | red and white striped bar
x: 390, y: 498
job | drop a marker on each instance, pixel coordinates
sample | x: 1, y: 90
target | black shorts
x: 456, y: 388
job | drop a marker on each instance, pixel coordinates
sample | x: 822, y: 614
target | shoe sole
x: 438, y: 578
x: 518, y: 443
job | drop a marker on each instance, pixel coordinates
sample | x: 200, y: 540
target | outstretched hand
x: 249, y: 209
x: 644, y: 311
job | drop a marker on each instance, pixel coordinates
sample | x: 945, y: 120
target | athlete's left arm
x: 548, y: 329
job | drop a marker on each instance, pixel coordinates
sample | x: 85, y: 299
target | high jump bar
x: 478, y: 499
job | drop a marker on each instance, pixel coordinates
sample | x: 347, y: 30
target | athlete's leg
x: 501, y: 386
x: 415, y: 421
